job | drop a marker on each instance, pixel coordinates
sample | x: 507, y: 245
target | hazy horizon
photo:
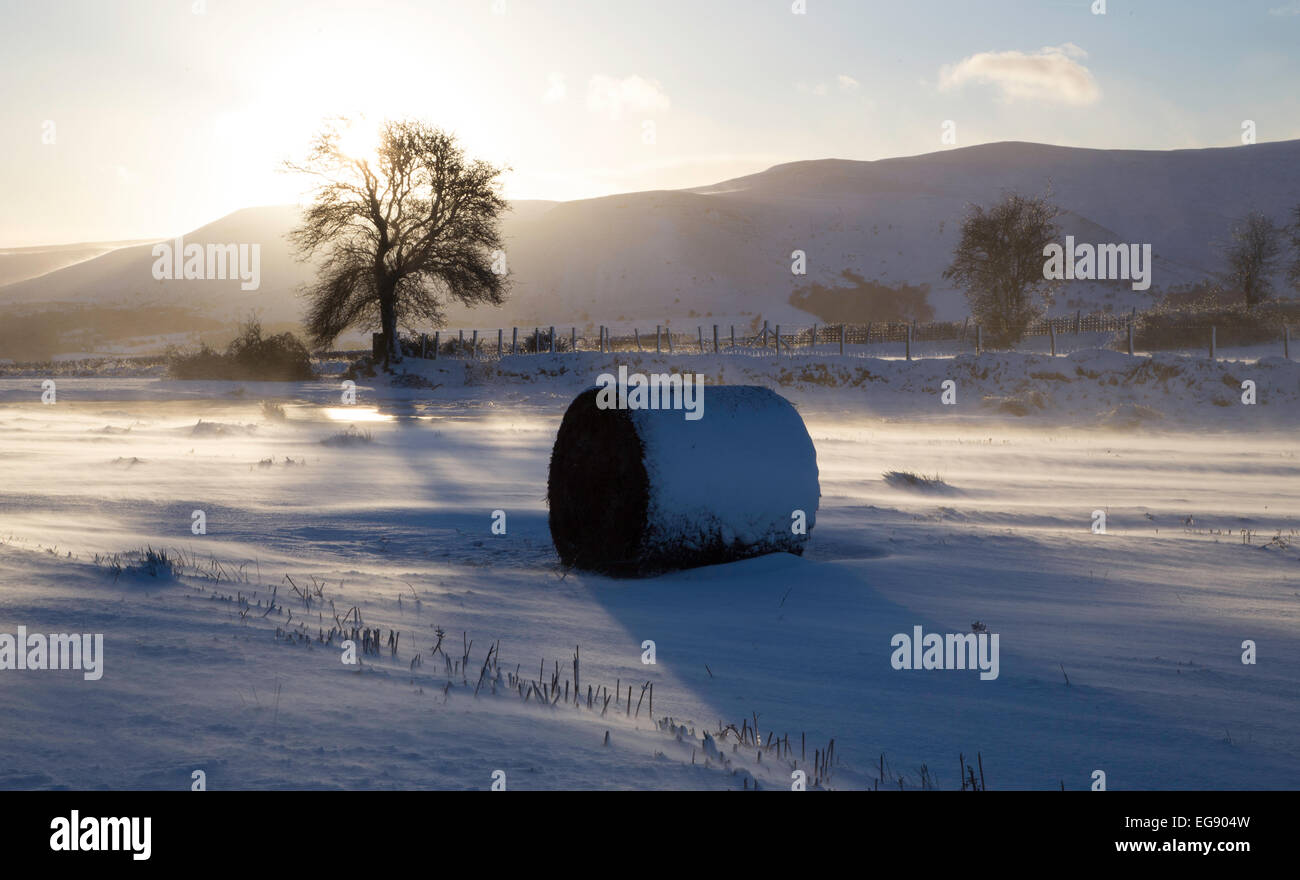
x: 141, y: 239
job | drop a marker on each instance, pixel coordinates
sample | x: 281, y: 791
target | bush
x: 916, y: 482
x: 453, y: 346
x: 349, y: 437
x: 416, y: 346
x: 1189, y: 327
x: 248, y: 357
x: 540, y: 341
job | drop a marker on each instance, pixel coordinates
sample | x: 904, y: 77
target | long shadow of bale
x: 635, y: 492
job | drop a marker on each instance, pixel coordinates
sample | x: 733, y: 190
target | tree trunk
x: 388, y: 323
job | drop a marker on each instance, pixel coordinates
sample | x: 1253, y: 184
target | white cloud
x: 845, y: 83
x: 1053, y: 73
x: 556, y: 90
x: 613, y: 97
x: 1292, y: 8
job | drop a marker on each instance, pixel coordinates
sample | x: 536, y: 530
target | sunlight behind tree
x: 400, y: 234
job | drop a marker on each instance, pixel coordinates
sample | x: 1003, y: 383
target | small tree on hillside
x: 1293, y: 232
x: 999, y: 262
x: 400, y: 233
x: 1252, y: 256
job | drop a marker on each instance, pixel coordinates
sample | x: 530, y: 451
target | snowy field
x: 1119, y: 652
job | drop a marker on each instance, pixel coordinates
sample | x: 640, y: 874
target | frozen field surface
x: 386, y: 507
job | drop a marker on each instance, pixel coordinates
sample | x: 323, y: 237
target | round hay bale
x: 634, y: 492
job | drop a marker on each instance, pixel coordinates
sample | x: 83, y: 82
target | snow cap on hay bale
x: 640, y: 491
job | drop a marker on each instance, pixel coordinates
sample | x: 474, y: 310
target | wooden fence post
x: 460, y: 348
x: 514, y: 340
x: 1130, y: 336
x: 474, y: 353
x: 658, y: 347
x: 979, y: 338
x: 1078, y: 321
x: 1051, y: 331
x: 1286, y: 341
x: 700, y: 330
x: 841, y: 339
x: 436, y: 344
x: 733, y: 337
x: 909, y: 342
x: 765, y: 334
x: 537, y: 341
x: 636, y: 334
x: 424, y: 345
x: 499, y: 335
x: 573, y: 339
x: 1213, y: 342
x: 778, y: 340
x: 715, y: 338
x: 552, y: 339
x: 670, y: 340
x: 812, y: 340
x: 867, y: 342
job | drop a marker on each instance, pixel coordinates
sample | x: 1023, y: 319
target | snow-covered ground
x: 386, y: 506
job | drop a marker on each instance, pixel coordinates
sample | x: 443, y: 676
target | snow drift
x: 640, y: 491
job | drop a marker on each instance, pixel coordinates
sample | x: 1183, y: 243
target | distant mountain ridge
x: 725, y: 250
x: 21, y: 263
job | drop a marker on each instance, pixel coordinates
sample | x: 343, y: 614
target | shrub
x: 1188, y: 327
x: 915, y: 482
x: 540, y: 341
x: 454, y: 346
x: 349, y: 437
x: 141, y: 563
x: 417, y: 345
x: 249, y: 357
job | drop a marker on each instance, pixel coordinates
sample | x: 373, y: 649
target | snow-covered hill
x: 19, y: 264
x: 725, y: 250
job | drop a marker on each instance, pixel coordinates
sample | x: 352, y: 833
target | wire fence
x: 1157, y: 329
x: 770, y: 339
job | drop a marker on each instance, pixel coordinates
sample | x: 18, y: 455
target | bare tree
x: 1252, y: 255
x: 400, y: 233
x: 1293, y: 233
x: 999, y: 262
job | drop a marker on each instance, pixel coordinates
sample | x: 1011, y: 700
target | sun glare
x: 360, y: 140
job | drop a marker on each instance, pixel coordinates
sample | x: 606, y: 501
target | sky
x: 125, y: 119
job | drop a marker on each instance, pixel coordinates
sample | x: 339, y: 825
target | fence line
x: 718, y: 338
x: 772, y: 339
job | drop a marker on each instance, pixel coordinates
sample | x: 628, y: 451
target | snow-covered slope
x: 1119, y: 652
x: 19, y: 264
